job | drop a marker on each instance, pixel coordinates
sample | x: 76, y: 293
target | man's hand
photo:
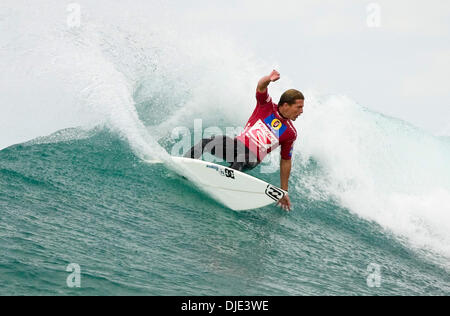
x: 274, y: 75
x: 264, y: 82
x: 285, y: 203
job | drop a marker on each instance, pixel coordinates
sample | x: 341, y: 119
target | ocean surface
x: 370, y: 193
x: 139, y: 228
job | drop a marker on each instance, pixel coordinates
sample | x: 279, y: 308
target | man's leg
x: 226, y: 148
x: 237, y: 165
x: 244, y: 159
x: 196, y: 151
x: 219, y: 146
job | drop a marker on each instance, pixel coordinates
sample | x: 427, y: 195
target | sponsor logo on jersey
x: 262, y: 135
x: 275, y: 125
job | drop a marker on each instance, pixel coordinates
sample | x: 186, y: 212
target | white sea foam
x: 133, y: 74
x: 381, y: 168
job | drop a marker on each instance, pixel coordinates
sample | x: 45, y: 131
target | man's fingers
x: 285, y: 205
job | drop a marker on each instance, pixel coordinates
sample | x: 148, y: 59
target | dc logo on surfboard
x: 229, y: 173
x: 225, y: 172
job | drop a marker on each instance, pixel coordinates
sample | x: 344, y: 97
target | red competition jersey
x: 266, y: 129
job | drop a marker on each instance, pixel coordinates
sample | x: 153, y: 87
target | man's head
x: 291, y: 104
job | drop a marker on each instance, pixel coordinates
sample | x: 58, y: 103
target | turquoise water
x: 136, y: 228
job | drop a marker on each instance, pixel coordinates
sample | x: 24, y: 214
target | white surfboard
x: 234, y: 189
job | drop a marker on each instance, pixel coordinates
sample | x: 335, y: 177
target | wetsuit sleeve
x: 263, y: 98
x: 287, y: 148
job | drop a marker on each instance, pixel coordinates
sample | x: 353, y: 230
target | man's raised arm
x: 264, y: 82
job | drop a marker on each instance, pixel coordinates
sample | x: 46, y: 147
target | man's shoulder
x: 292, y: 129
x: 263, y: 98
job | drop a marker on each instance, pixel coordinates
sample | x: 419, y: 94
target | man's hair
x: 290, y: 96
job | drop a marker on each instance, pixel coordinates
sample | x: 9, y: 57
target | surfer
x: 269, y: 126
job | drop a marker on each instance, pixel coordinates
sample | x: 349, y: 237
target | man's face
x: 293, y: 111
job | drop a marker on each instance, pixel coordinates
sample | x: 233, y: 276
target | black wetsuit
x: 231, y: 150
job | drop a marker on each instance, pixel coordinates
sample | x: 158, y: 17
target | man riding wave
x: 268, y: 127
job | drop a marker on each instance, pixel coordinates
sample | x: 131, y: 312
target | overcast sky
x: 390, y: 56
